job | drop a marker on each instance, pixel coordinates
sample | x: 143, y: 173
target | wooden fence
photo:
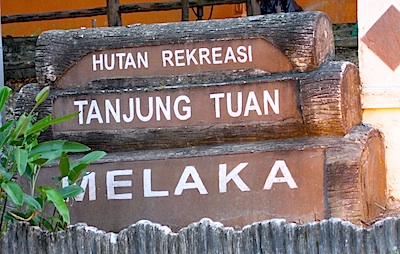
x: 273, y: 236
x: 113, y: 10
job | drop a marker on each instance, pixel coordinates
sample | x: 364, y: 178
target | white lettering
x: 88, y: 180
x: 179, y: 55
x: 252, y: 104
x: 143, y: 60
x: 120, y: 57
x: 148, y: 192
x: 80, y: 105
x: 233, y: 175
x: 112, y: 184
x: 115, y: 112
x: 130, y: 61
x: 273, y: 103
x: 239, y: 104
x: 216, y: 55
x: 241, y: 51
x: 190, y: 56
x: 94, y: 113
x: 166, y: 109
x: 131, y: 112
x: 97, y: 62
x: 167, y: 57
x: 139, y: 110
x: 196, y: 184
x: 186, y: 109
x: 112, y: 62
x: 287, y: 176
x: 250, y: 53
x: 204, y: 53
x: 230, y: 56
x: 217, y: 105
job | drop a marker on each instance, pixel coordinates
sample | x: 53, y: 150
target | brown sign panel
x: 173, y: 59
x: 235, y: 189
x: 183, y: 107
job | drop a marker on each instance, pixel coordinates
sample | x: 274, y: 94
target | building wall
x: 340, y: 11
x: 379, y: 43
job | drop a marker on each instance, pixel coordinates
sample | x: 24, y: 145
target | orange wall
x: 338, y: 10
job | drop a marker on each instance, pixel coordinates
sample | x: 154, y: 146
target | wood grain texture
x: 206, y: 236
x: 330, y: 99
x: 324, y: 109
x: 293, y: 33
x: 355, y: 170
x: 354, y: 166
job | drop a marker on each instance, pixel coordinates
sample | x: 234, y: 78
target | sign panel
x: 183, y: 107
x: 235, y: 189
x: 174, y: 59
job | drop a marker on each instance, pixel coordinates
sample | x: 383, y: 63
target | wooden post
x: 253, y: 8
x: 113, y: 14
x: 185, y: 10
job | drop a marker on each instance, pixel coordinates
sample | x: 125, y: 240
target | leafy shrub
x: 23, y: 156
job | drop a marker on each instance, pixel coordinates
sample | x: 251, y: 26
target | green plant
x: 23, y: 156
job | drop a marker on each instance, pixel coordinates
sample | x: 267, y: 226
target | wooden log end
x: 330, y: 99
x: 324, y: 41
x: 357, y: 175
x: 350, y: 96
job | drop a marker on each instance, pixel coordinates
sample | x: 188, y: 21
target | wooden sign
x: 174, y: 59
x: 231, y: 107
x: 234, y: 189
x: 299, y: 41
x: 179, y: 107
x: 300, y: 180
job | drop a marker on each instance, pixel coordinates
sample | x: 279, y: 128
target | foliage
x: 22, y: 156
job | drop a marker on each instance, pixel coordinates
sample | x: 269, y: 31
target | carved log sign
x: 235, y: 189
x: 206, y: 91
x: 300, y: 180
x: 190, y: 57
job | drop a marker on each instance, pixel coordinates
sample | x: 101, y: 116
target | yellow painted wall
x: 339, y: 11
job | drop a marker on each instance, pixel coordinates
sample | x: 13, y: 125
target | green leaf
x: 32, y: 202
x: 39, y: 126
x: 4, y: 174
x: 70, y: 191
x: 47, y: 121
x: 58, y: 201
x: 75, y: 173
x: 74, y: 147
x: 47, y: 225
x: 5, y: 91
x: 14, y: 192
x: 21, y: 158
x: 38, y: 162
x: 6, y: 125
x: 56, y: 219
x: 64, y: 165
x: 42, y: 95
x: 92, y: 156
x: 46, y: 147
x: 22, y: 125
x: 40, y: 189
x: 6, y: 134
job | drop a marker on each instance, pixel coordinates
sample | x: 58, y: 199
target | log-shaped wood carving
x: 238, y: 108
x: 301, y: 180
x: 305, y: 39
